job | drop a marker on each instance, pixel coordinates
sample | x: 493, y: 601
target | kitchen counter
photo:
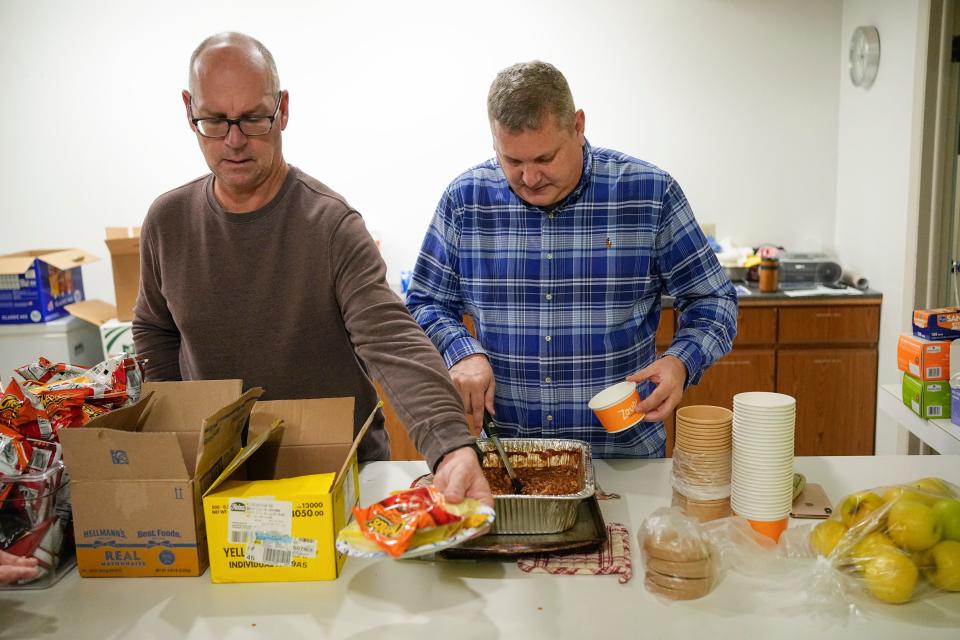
x: 818, y: 296
x: 466, y: 599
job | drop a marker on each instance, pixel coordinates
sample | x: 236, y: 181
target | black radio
x: 809, y: 268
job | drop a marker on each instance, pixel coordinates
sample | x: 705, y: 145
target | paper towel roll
x: 854, y: 280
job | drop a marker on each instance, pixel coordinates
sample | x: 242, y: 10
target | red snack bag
x: 391, y: 522
x: 15, y: 454
x: 22, y: 412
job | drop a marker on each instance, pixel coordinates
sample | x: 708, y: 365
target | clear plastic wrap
x: 701, y: 476
x: 882, y: 546
x: 679, y: 561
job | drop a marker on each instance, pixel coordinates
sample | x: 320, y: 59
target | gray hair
x: 254, y: 47
x: 523, y: 93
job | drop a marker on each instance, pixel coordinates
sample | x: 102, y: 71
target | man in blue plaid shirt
x: 560, y: 253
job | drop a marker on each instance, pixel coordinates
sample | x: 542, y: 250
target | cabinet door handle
x: 735, y: 362
x: 827, y: 361
x: 832, y: 314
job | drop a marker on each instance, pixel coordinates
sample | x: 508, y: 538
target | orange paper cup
x: 770, y: 528
x: 617, y: 407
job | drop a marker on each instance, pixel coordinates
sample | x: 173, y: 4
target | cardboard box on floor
x: 115, y: 320
x: 138, y: 475
x: 281, y: 523
x: 36, y: 285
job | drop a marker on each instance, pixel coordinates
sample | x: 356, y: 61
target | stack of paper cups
x: 701, y: 461
x: 761, y: 483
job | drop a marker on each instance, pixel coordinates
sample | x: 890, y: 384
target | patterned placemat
x: 612, y: 558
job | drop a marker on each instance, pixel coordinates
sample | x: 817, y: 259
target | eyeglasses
x: 249, y: 125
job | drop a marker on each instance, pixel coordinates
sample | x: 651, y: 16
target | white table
x: 467, y: 599
x: 941, y: 435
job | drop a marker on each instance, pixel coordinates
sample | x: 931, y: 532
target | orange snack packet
x: 392, y: 522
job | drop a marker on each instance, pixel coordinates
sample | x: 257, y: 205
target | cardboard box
x: 116, y: 336
x: 923, y: 359
x: 36, y: 285
x: 927, y: 399
x: 280, y: 524
x: 138, y: 475
x: 937, y: 324
x: 124, y: 246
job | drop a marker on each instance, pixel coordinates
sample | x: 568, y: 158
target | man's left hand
x: 459, y: 476
x: 669, y: 374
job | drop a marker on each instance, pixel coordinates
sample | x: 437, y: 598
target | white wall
x: 737, y: 98
x: 878, y: 167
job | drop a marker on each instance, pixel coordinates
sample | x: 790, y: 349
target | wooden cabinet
x: 822, y: 351
x: 836, y: 392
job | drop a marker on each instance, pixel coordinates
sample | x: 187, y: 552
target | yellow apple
x: 948, y: 512
x: 912, y: 525
x: 857, y: 506
x: 891, y: 576
x: 934, y: 486
x: 826, y: 535
x: 901, y: 491
x: 870, y: 546
x: 943, y: 565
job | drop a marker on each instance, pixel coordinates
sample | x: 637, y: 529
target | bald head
x: 233, y: 48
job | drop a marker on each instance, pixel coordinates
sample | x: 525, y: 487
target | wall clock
x: 864, y: 56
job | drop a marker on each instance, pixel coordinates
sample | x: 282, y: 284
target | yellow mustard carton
x: 274, y: 513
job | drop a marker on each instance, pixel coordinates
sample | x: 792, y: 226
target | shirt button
x: 548, y: 379
x: 549, y: 418
x: 549, y: 296
x: 547, y: 338
x: 552, y: 216
x: 549, y: 256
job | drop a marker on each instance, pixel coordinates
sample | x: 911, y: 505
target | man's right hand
x: 473, y: 378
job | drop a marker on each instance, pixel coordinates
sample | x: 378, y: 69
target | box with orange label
x: 280, y: 524
x: 138, y: 474
x: 923, y: 359
x: 937, y: 324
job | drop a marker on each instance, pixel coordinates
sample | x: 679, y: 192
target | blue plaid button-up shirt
x: 566, y: 301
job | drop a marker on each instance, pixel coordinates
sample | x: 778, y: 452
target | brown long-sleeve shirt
x: 292, y: 298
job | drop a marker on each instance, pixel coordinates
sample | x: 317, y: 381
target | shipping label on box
x: 937, y: 324
x: 36, y: 285
x: 138, y: 475
x: 927, y: 399
x: 281, y: 524
x: 923, y: 359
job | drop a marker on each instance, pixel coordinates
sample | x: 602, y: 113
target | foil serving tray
x: 539, y: 514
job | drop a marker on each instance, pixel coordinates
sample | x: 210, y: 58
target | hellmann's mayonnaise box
x: 274, y: 513
x: 923, y: 359
x: 137, y: 476
x: 937, y: 324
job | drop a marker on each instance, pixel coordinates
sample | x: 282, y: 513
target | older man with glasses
x: 258, y: 271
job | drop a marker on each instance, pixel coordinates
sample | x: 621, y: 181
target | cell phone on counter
x: 812, y: 503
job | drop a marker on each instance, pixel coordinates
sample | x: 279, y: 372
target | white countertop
x: 467, y: 599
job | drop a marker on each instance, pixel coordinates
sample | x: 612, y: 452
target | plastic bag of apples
x: 897, y: 542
